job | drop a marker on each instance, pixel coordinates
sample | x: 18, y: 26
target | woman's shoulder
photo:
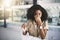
x: 46, y: 21
x: 29, y: 21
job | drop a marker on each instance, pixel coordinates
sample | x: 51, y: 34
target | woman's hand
x: 24, y: 29
x: 38, y: 20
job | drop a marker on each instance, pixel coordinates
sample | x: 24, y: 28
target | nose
x: 38, y: 14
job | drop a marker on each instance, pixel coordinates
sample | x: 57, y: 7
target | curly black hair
x: 31, y: 11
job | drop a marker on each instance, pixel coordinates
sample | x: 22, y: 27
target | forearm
x: 42, y: 33
x: 45, y: 31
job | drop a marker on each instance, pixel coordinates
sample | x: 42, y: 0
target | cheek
x: 40, y: 15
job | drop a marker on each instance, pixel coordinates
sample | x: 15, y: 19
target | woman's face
x: 38, y: 13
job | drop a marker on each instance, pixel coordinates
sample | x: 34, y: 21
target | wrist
x: 41, y: 27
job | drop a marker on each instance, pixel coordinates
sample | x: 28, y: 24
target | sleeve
x: 46, y: 25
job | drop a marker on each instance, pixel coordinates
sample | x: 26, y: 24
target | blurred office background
x: 14, y: 12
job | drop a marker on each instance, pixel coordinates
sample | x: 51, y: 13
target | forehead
x: 38, y: 11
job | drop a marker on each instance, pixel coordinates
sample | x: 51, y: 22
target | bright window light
x: 6, y: 3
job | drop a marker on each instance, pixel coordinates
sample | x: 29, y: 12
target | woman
x: 37, y: 24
